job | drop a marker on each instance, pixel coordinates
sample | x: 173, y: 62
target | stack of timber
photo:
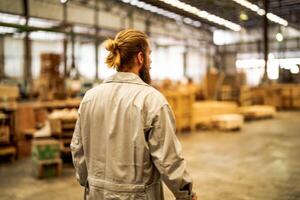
x: 203, y: 112
x: 51, y: 84
x: 8, y: 106
x: 58, y: 104
x: 258, y: 111
x: 281, y: 96
x: 46, y: 161
x: 245, y: 96
x: 227, y: 93
x: 62, y: 124
x: 295, y: 97
x: 6, y: 147
x: 181, y: 103
x: 228, y: 122
x: 25, y: 126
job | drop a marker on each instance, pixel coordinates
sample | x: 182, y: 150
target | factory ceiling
x: 246, y: 13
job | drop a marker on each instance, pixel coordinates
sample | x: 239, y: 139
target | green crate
x: 45, y: 149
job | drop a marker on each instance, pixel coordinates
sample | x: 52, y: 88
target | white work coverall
x: 124, y: 143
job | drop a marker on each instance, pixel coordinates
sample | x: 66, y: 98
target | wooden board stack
x: 204, y: 111
x: 46, y: 161
x: 258, y: 111
x: 6, y: 147
x: 51, y: 84
x: 62, y: 123
x: 228, y: 122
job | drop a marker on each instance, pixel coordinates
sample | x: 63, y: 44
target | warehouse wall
x: 167, y: 62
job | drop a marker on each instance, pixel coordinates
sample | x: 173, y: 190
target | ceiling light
x: 276, y: 19
x: 166, y: 13
x: 279, y: 37
x: 63, y: 1
x: 4, y: 30
x: 203, y: 14
x: 259, y: 11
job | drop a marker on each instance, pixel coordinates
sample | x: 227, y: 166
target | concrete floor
x: 260, y: 162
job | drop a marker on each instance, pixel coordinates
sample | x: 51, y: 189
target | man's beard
x: 145, y: 74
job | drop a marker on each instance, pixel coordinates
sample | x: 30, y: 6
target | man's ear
x: 140, y: 58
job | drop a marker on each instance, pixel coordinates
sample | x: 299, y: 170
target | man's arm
x: 165, y: 150
x: 78, y: 154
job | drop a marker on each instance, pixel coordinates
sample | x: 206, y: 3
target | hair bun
x: 111, y: 45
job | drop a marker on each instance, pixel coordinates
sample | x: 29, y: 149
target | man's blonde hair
x: 124, y: 47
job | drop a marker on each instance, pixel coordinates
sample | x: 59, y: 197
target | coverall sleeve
x: 165, y: 151
x: 78, y: 154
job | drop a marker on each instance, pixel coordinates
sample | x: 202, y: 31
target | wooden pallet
x: 46, y: 168
x: 258, y: 112
x: 228, y: 122
x: 204, y: 111
x: 8, y: 151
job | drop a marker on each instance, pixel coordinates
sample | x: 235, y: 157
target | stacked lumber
x: 6, y: 138
x: 8, y: 93
x: 46, y: 161
x: 59, y: 104
x: 181, y: 103
x: 245, y: 96
x: 51, y: 84
x: 295, y: 96
x: 281, y: 96
x: 62, y: 124
x: 226, y: 93
x: 25, y: 126
x: 204, y: 111
x: 228, y: 122
x: 258, y: 111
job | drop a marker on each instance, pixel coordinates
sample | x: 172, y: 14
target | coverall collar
x: 125, y: 77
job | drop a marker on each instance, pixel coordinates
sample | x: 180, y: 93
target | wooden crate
x: 181, y: 103
x: 23, y: 148
x: 46, y: 168
x: 25, y: 121
x: 203, y: 111
x: 245, y: 96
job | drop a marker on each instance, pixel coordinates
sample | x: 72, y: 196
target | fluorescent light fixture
x: 42, y: 35
x: 203, y: 14
x: 262, y: 12
x: 276, y: 19
x: 41, y: 22
x: 273, y: 65
x: 14, y: 19
x: 163, y: 12
x: 4, y: 30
